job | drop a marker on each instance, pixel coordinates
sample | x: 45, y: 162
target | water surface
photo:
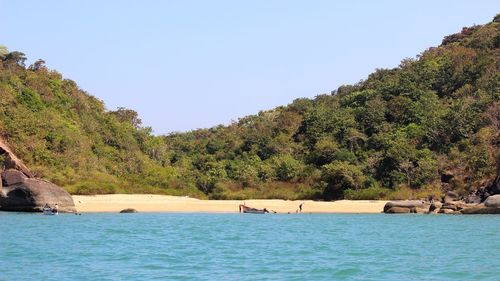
x: 249, y: 247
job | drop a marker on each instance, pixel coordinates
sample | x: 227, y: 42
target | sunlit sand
x: 163, y: 203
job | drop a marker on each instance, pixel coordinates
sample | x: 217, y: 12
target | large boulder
x: 493, y: 201
x: 398, y: 210
x: 404, y: 204
x: 11, y: 161
x: 21, y: 191
x: 31, y: 195
x: 11, y: 177
x: 480, y: 209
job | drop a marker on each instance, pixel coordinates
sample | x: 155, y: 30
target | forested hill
x: 429, y: 125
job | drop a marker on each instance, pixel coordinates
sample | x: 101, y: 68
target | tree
x: 286, y: 167
x: 339, y: 176
x: 127, y: 115
x: 37, y: 65
x: 15, y: 57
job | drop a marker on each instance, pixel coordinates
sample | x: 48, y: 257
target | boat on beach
x: 249, y: 210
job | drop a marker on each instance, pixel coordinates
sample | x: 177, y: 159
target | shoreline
x: 113, y: 203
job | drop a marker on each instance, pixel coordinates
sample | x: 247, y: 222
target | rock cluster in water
x: 20, y: 190
x: 485, y: 200
x: 128, y: 210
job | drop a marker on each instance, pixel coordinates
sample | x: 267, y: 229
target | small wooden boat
x: 50, y: 211
x: 249, y: 210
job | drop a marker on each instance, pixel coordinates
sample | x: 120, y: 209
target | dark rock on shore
x: 128, y: 210
x: 422, y: 207
x: 435, y: 207
x: 31, y: 195
x: 21, y: 191
x: 409, y: 204
x: 494, y: 187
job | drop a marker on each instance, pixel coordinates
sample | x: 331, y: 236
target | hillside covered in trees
x: 429, y: 125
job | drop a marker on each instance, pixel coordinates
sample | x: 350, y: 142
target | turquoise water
x: 249, y: 247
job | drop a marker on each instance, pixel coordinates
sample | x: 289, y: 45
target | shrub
x: 370, y: 193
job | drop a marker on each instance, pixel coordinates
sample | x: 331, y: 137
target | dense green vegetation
x: 428, y: 125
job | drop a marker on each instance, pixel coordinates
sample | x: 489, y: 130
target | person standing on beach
x: 300, y: 207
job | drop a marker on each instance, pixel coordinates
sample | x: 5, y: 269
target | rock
x: 494, y: 187
x: 11, y: 161
x: 473, y: 199
x: 480, y: 209
x: 11, y: 177
x: 128, y: 210
x: 435, y: 206
x: 450, y: 197
x: 493, y: 201
x: 447, y: 211
x: 449, y: 206
x: 404, y: 204
x: 486, y: 195
x: 20, y: 191
x: 398, y: 210
x: 31, y: 195
x: 456, y: 205
x: 420, y: 210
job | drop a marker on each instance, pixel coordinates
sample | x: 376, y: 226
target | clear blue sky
x: 193, y: 64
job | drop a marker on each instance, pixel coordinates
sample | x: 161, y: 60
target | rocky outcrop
x: 484, y: 200
x: 128, y: 210
x: 21, y: 191
x: 11, y: 177
x: 11, y: 161
x: 31, y: 195
x: 492, y: 206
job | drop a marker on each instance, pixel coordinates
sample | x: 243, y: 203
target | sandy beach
x: 163, y: 203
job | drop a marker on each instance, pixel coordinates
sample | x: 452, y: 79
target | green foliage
x: 286, y: 167
x: 339, y: 176
x: 30, y: 99
x: 3, y: 52
x: 370, y: 193
x: 387, y: 137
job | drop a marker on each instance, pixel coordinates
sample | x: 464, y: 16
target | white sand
x: 163, y: 203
